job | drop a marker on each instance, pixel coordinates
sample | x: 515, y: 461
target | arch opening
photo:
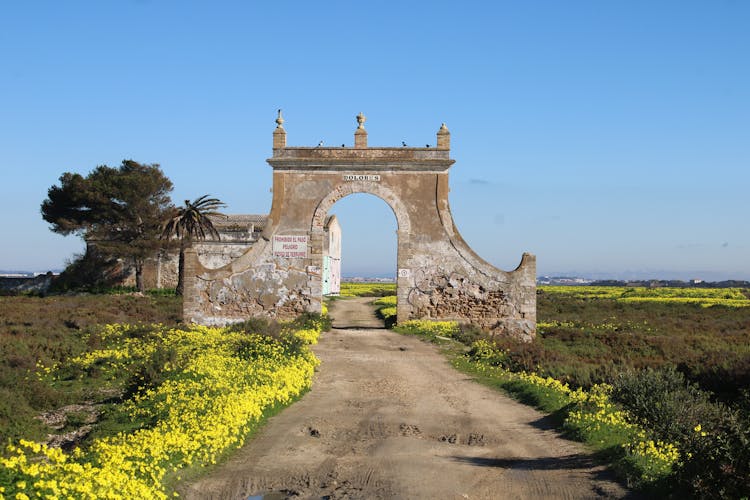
x: 369, y: 236
x: 379, y: 191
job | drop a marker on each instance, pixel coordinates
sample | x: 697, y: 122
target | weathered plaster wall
x: 439, y: 276
x: 237, y: 233
x: 255, y: 284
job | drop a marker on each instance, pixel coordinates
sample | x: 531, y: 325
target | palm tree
x: 191, y: 222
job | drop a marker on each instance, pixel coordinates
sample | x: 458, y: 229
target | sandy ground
x: 389, y: 418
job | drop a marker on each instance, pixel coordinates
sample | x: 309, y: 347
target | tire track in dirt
x: 388, y: 417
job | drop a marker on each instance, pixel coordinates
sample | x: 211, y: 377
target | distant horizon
x: 622, y: 276
x: 710, y: 276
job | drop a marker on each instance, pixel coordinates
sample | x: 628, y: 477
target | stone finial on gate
x: 279, y: 135
x: 443, y: 138
x: 360, y: 135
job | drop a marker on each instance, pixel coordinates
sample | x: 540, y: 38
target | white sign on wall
x: 351, y: 177
x: 290, y: 247
x: 404, y: 273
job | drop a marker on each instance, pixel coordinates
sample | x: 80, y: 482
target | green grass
x: 367, y: 289
x: 50, y: 330
x: 730, y: 297
x: 579, y: 329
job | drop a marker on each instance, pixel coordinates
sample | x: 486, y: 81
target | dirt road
x: 389, y: 418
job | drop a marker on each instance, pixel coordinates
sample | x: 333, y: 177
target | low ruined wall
x: 255, y: 285
x: 503, y: 303
x: 163, y: 271
x: 22, y: 284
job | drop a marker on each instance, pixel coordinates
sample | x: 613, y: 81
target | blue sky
x: 607, y: 138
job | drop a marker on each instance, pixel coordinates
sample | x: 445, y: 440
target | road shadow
x: 569, y: 462
x: 355, y: 327
x: 551, y: 422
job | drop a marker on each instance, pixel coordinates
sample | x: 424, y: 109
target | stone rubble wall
x: 444, y: 288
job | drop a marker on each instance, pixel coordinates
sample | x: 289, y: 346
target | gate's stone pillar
x: 439, y: 277
x: 403, y: 275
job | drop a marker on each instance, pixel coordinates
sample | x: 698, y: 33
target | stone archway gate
x: 439, y: 276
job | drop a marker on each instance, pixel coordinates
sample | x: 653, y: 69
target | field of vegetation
x: 656, y: 381
x: 367, y: 289
x: 587, y: 336
x: 705, y: 297
x: 45, y: 331
x: 129, y: 401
